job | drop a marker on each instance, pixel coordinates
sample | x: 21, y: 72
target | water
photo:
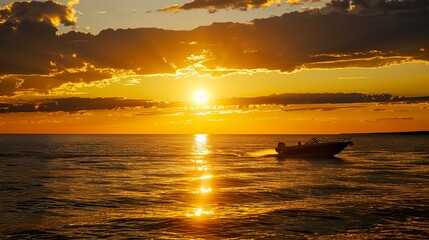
x: 210, y: 187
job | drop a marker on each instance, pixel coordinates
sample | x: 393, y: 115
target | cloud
x: 336, y: 36
x: 353, y: 77
x: 214, y: 5
x: 42, y: 83
x: 310, y: 39
x: 373, y: 7
x: 312, y: 98
x: 391, y: 119
x: 300, y: 2
x: 378, y: 109
x: 29, y: 43
x: 51, y: 12
x: 73, y: 2
x: 76, y: 104
x: 320, y: 108
x: 9, y: 86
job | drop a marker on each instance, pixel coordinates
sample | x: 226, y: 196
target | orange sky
x: 266, y: 67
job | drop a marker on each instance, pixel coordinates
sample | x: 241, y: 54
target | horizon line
x: 352, y: 133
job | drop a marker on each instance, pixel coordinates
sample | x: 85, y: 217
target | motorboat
x: 317, y: 147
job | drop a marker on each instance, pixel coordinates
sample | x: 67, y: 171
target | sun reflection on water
x: 200, y: 145
x: 201, y: 139
x: 206, y: 176
x: 202, y: 178
x: 203, y: 190
x: 199, y: 212
x: 202, y: 168
x: 198, y: 161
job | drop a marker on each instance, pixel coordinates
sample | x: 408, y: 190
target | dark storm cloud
x: 77, y: 104
x: 214, y: 5
x: 30, y: 46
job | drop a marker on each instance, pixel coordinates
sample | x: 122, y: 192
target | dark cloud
x: 12, y: 84
x: 50, y: 12
x: 319, y: 108
x: 28, y: 40
x: 28, y: 48
x: 145, y: 51
x: 372, y: 7
x: 9, y: 86
x: 295, y: 40
x: 76, y: 104
x: 214, y: 5
x: 378, y: 109
x: 310, y: 39
x: 318, y: 98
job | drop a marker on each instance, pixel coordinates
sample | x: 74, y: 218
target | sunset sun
x: 200, y: 97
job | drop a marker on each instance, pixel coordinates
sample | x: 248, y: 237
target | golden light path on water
x: 202, y: 178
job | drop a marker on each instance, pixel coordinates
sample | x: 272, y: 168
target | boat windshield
x: 316, y: 140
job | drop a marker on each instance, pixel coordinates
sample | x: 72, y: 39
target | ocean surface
x: 211, y: 187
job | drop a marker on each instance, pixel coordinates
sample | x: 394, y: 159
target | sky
x: 210, y: 66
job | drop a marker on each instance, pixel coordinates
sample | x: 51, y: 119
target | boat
x: 317, y: 147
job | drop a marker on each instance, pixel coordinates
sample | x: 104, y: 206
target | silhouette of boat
x: 315, y: 148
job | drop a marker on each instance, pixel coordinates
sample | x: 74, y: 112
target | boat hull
x: 319, y: 150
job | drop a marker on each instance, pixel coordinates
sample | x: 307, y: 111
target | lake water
x: 211, y: 187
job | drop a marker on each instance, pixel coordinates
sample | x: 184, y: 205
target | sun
x: 200, y: 97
